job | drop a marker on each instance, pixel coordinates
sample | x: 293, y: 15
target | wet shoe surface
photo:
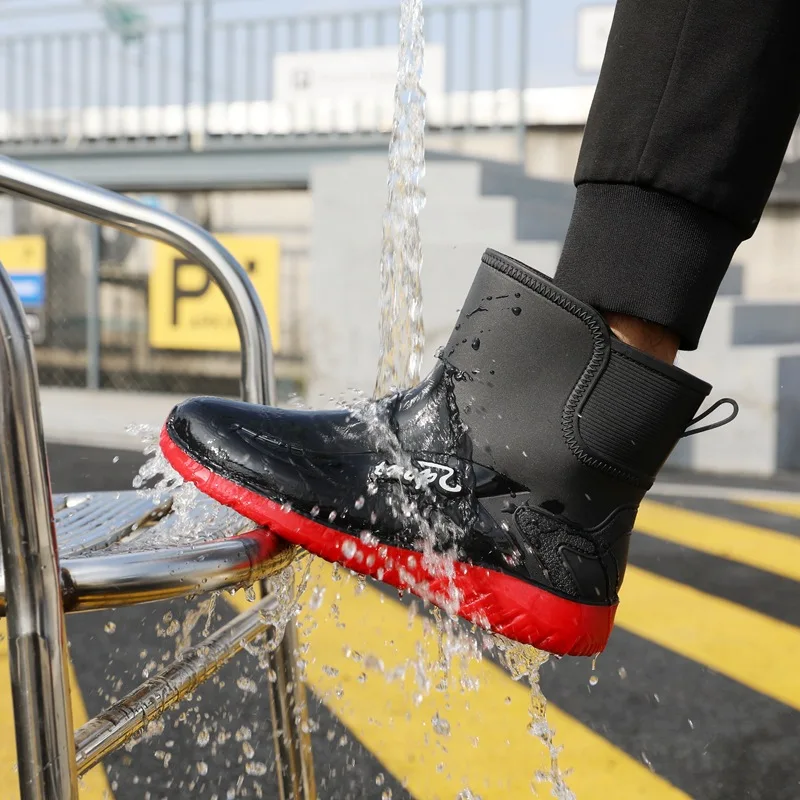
x: 503, y: 488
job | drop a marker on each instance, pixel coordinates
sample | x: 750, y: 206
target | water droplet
x: 379, y: 779
x: 255, y: 768
x: 594, y: 680
x: 110, y: 627
x: 623, y: 673
x: 476, y: 343
x: 317, y: 595
x: 387, y: 794
x: 359, y: 504
x: 243, y: 734
x: 315, y: 511
x: 516, y: 311
x: 203, y: 738
x: 202, y: 768
x: 440, y: 725
x: 115, y: 460
x: 247, y: 684
x: 332, y: 516
x: 691, y: 724
x: 349, y: 548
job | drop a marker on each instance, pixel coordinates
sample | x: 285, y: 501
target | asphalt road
x: 698, y: 694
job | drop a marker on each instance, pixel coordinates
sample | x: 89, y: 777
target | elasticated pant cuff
x: 647, y: 254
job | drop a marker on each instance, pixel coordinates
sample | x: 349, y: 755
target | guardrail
x: 196, y: 73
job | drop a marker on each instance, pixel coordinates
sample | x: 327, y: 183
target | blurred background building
x: 268, y: 123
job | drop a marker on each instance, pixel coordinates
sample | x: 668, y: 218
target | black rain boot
x: 503, y: 488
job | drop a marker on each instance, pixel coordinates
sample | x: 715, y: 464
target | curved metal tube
x: 143, y: 577
x: 36, y: 630
x: 109, y: 208
x: 90, y: 583
x: 122, y: 721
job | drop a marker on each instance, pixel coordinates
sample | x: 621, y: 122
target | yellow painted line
x: 751, y: 648
x: 397, y: 729
x: 748, y: 544
x: 789, y: 508
x: 93, y: 785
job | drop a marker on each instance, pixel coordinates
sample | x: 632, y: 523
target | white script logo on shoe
x: 431, y: 472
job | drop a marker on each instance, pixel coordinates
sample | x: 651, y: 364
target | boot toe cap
x: 307, y: 456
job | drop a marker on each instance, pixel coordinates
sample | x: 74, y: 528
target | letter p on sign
x: 187, y: 310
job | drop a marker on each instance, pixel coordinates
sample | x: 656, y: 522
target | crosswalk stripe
x: 93, y: 785
x: 398, y: 730
x: 751, y: 648
x: 789, y: 508
x: 757, y: 547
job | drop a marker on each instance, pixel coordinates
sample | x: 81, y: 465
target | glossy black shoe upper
x: 526, y: 450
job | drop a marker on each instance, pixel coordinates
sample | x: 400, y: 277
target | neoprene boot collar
x: 554, y: 402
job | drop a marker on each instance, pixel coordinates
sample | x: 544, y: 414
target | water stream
x: 402, y: 346
x: 402, y: 337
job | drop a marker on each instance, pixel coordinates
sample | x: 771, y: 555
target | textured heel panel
x: 636, y: 412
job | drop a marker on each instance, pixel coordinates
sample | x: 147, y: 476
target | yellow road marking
x: 789, y: 508
x: 753, y: 649
x: 757, y: 547
x: 384, y: 717
x: 93, y: 785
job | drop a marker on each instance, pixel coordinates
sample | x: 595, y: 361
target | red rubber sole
x: 493, y: 600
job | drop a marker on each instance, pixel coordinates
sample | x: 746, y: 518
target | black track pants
x: 694, y: 109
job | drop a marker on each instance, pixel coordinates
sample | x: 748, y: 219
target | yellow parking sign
x: 187, y: 308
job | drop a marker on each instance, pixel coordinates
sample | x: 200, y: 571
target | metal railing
x: 33, y: 583
x: 95, y: 325
x: 198, y: 73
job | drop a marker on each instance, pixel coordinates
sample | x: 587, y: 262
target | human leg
x: 693, y: 112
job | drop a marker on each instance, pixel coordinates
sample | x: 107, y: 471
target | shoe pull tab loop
x: 732, y: 416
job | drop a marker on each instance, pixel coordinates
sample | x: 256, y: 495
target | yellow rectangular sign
x: 23, y: 255
x: 188, y: 310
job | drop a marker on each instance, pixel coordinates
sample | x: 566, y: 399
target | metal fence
x: 194, y: 73
x: 94, y: 325
x: 176, y: 75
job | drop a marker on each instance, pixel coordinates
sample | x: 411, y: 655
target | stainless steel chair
x: 53, y: 548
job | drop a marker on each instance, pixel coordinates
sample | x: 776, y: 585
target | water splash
x: 525, y: 663
x: 194, y: 518
x: 401, y: 347
x: 402, y: 337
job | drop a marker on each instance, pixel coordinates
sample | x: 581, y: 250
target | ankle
x: 650, y: 338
